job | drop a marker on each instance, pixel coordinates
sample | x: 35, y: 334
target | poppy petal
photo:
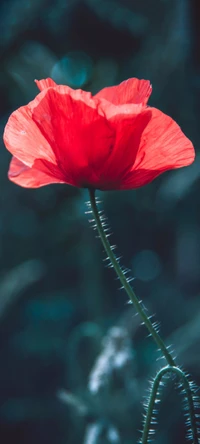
x: 117, y: 112
x: 36, y: 176
x: 130, y: 91
x: 79, y: 134
x: 24, y: 139
x: 129, y: 130
x: 163, y: 146
x: 45, y: 83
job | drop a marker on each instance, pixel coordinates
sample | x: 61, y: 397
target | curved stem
x: 125, y: 283
x: 178, y: 372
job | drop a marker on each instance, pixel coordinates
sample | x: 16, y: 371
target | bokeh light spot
x: 75, y: 69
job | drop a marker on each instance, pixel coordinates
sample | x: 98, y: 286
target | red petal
x: 130, y: 91
x: 129, y: 129
x: 45, y: 83
x: 24, y: 139
x: 37, y: 176
x: 119, y: 112
x: 163, y: 147
x: 80, y: 137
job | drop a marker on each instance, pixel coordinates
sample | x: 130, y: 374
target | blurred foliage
x: 59, y: 383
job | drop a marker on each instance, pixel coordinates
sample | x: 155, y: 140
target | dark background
x: 74, y: 360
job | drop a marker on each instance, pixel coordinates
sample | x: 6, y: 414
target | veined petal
x: 129, y: 129
x: 79, y: 135
x: 163, y: 147
x: 118, y: 112
x: 24, y: 139
x: 38, y: 175
x: 130, y: 91
x: 45, y: 83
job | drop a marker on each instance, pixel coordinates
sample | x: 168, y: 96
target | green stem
x: 125, y: 283
x: 192, y: 420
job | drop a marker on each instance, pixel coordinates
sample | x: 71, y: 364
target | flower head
x: 112, y: 140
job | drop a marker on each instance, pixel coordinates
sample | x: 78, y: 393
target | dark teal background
x: 57, y: 298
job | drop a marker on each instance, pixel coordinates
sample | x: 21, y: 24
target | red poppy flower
x: 112, y: 140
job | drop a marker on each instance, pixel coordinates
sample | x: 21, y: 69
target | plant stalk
x: 132, y: 296
x: 152, y: 400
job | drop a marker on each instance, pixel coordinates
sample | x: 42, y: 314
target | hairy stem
x: 126, y: 284
x: 152, y: 400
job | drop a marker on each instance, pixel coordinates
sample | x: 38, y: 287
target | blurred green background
x: 75, y: 361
